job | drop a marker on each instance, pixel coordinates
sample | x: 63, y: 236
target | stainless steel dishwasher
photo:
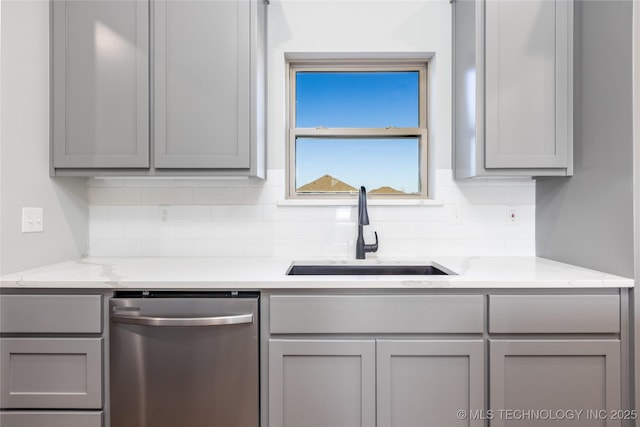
x: 184, y: 359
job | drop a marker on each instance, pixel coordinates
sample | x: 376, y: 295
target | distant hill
x: 386, y: 190
x: 326, y: 183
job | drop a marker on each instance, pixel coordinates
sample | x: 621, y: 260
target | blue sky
x: 369, y: 99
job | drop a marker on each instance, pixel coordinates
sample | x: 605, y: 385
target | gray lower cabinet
x: 51, y: 360
x: 390, y: 360
x: 513, y: 93
x: 504, y: 359
x: 427, y: 382
x: 51, y: 373
x: 100, y: 84
x: 50, y: 419
x: 343, y: 382
x: 320, y: 383
x: 546, y: 382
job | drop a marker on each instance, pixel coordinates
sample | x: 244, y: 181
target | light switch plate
x: 32, y: 220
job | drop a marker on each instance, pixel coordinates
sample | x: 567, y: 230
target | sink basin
x: 364, y: 270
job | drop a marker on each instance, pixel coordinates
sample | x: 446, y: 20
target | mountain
x: 326, y: 183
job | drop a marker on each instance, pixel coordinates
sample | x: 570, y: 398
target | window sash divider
x: 359, y: 132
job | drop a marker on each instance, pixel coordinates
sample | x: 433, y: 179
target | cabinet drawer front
x: 51, y: 373
x: 51, y: 419
x: 377, y: 314
x: 554, y: 314
x: 51, y: 314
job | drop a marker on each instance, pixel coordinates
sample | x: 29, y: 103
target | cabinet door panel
x: 424, y: 383
x: 51, y: 373
x: 100, y: 84
x: 202, y: 84
x: 555, y: 376
x: 526, y: 84
x: 49, y: 314
x: 322, y: 383
x: 50, y: 419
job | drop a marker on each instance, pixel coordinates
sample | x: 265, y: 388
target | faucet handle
x: 373, y: 247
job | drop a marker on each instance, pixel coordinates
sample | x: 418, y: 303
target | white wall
x: 361, y: 26
x: 240, y: 218
x: 24, y: 148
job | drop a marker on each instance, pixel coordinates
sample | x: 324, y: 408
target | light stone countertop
x: 269, y: 273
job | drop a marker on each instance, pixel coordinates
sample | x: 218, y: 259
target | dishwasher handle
x: 183, y: 321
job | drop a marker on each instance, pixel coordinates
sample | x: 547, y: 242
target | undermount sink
x: 365, y: 270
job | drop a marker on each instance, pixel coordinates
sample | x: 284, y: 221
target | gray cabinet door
x: 100, y: 84
x: 50, y: 419
x: 50, y: 314
x: 51, y: 373
x: 527, y: 54
x: 202, y: 83
x: 548, y: 375
x: 321, y: 383
x: 427, y: 383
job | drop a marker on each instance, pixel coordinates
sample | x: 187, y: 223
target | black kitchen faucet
x: 363, y: 219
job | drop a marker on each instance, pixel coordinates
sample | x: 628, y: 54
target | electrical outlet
x: 513, y: 215
x: 164, y: 215
x: 32, y: 220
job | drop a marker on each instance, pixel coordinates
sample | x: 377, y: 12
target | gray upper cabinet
x: 513, y: 92
x: 100, y: 84
x: 202, y: 84
x: 203, y: 70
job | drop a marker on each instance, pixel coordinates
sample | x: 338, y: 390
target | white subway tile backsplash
x: 106, y: 182
x: 392, y: 213
x: 246, y: 213
x: 149, y: 230
x: 520, y: 248
x: 260, y: 248
x: 263, y: 195
x: 407, y: 230
x: 252, y: 231
x: 241, y: 217
x: 149, y: 182
x: 131, y: 213
x: 115, y: 196
x: 434, y: 213
x: 105, y: 230
x: 304, y: 230
x: 201, y: 230
x: 218, y: 247
x: 218, y: 195
x: 523, y: 195
x: 115, y: 247
x: 481, y: 195
x: 167, y: 196
x: 190, y: 213
x: 162, y: 247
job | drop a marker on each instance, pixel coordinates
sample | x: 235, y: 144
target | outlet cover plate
x: 32, y: 220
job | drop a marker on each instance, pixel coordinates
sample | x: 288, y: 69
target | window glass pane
x: 342, y: 165
x: 348, y: 99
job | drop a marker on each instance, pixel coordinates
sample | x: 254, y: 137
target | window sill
x: 354, y: 202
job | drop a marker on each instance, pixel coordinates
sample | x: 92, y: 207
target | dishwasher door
x: 184, y: 361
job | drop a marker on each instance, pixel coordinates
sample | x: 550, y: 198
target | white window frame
x: 328, y: 65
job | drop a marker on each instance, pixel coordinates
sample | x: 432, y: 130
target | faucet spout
x: 363, y: 215
x: 363, y: 219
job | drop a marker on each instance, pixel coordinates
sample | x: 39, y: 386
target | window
x: 353, y: 124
